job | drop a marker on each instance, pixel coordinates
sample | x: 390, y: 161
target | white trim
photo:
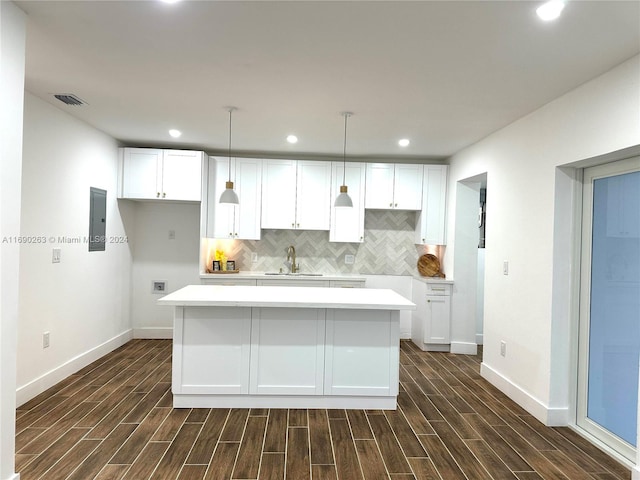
x: 635, y: 473
x: 479, y: 339
x: 284, y: 401
x: 551, y: 417
x: 16, y: 476
x: 464, y: 348
x: 35, y: 387
x: 153, y: 333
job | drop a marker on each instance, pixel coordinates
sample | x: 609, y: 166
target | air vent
x: 69, y: 99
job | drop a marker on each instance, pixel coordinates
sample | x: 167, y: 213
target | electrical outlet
x: 158, y: 286
x: 56, y: 255
x: 254, y: 257
x: 503, y: 348
x: 349, y: 259
x: 45, y: 340
x: 505, y: 267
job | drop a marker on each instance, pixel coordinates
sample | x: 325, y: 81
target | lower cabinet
x: 287, y: 351
x: 431, y: 320
x: 207, y: 370
x: 359, y: 356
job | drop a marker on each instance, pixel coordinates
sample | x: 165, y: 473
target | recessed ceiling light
x: 175, y: 133
x: 550, y: 10
x: 169, y: 1
x: 404, y: 142
x: 292, y: 139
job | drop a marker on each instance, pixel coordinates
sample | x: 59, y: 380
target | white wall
x: 84, y: 300
x: 520, y: 160
x: 157, y: 257
x: 12, y: 48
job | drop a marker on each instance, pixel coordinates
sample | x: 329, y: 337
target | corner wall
x: 12, y: 57
x: 83, y: 301
x: 520, y: 160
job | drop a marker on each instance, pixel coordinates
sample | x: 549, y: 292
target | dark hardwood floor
x: 113, y: 420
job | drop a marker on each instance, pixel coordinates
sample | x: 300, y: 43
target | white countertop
x: 434, y: 280
x: 297, y: 276
x: 305, y: 297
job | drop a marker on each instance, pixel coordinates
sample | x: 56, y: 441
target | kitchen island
x: 285, y: 347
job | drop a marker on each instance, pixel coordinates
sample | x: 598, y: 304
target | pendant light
x: 229, y: 195
x: 344, y: 200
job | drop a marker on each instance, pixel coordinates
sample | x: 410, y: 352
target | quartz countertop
x: 302, y: 297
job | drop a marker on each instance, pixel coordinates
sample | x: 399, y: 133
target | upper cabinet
x: 155, y: 174
x: 296, y: 194
x: 347, y: 224
x: 240, y: 221
x: 394, y: 186
x: 430, y: 225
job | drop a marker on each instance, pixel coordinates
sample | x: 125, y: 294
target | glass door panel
x: 610, y: 306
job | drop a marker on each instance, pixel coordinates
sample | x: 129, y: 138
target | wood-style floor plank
x: 114, y: 420
x: 320, y: 437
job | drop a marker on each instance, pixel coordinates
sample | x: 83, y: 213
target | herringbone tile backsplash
x: 388, y: 248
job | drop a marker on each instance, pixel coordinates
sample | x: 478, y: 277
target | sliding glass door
x: 609, y: 350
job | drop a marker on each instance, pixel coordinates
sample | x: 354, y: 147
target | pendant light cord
x: 344, y: 149
x: 230, y: 111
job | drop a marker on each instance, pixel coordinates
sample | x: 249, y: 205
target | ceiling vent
x: 69, y: 99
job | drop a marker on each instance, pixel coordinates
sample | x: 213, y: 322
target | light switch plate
x: 349, y: 259
x: 56, y: 255
x: 159, y: 286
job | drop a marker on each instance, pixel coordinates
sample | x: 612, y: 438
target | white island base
x: 285, y: 347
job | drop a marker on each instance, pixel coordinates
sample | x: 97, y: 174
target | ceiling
x: 442, y: 73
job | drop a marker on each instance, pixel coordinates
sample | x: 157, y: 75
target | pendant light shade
x: 343, y: 199
x: 229, y: 195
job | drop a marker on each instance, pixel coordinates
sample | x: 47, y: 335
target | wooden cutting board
x: 429, y: 266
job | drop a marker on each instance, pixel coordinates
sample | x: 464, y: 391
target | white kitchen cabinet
x: 282, y: 338
x: 347, y: 283
x: 430, y: 224
x: 393, y: 186
x: 205, y: 370
x: 228, y: 279
x: 347, y: 223
x: 240, y: 221
x: 296, y: 195
x: 357, y: 367
x: 431, y: 321
x: 155, y: 174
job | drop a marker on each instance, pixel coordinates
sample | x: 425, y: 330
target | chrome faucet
x: 291, y: 255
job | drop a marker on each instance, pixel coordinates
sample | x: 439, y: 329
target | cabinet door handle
x: 158, y: 195
x: 428, y: 301
x: 293, y: 225
x: 391, y: 204
x: 164, y: 195
x: 361, y: 238
x: 298, y: 225
x: 230, y: 234
x: 235, y: 234
x: 396, y: 204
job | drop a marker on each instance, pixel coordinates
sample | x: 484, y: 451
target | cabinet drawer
x: 438, y: 289
x: 347, y: 283
x: 228, y: 281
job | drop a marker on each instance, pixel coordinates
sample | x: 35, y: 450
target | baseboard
x: 36, y: 387
x: 464, y: 348
x: 635, y: 473
x: 551, y: 417
x: 153, y: 332
x: 15, y: 476
x: 479, y: 339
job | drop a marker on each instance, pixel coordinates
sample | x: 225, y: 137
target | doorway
x: 468, y: 307
x: 609, y: 325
